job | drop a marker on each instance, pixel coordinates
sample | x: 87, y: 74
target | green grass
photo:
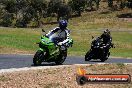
x: 20, y: 40
x: 82, y: 41
x: 101, y: 19
x: 24, y: 41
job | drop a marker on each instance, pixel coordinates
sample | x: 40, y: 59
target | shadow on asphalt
x: 95, y: 61
x: 49, y: 64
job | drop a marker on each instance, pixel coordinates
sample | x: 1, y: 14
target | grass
x: 19, y: 40
x: 82, y: 41
x: 23, y: 41
x: 101, y: 19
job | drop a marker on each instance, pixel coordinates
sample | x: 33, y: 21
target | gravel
x: 61, y: 77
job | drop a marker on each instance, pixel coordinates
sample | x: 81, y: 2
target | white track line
x: 30, y: 68
x: 46, y: 67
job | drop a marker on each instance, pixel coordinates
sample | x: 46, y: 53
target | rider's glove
x: 104, y: 46
x: 101, y: 47
x: 60, y: 43
x: 68, y: 45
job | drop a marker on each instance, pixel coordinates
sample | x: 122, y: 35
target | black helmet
x: 107, y: 31
x: 63, y: 24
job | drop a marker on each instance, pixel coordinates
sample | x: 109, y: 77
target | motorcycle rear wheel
x: 103, y: 59
x: 37, y: 60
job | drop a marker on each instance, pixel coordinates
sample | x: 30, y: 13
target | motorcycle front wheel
x: 87, y: 56
x: 105, y: 57
x: 37, y: 60
x: 61, y: 58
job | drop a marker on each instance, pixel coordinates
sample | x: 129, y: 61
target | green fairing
x: 49, y: 52
x: 41, y: 49
x: 49, y: 44
x: 46, y: 41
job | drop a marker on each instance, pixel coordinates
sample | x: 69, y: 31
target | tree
x: 31, y: 10
x: 77, y: 6
x: 7, y: 20
x: 53, y: 7
x: 38, y: 9
x: 129, y: 3
x: 64, y: 12
x: 8, y: 8
x: 60, y: 8
x: 90, y: 4
x: 110, y: 3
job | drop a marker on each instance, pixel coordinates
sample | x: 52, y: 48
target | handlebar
x: 112, y: 45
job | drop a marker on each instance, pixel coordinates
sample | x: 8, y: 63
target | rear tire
x: 103, y: 59
x: 37, y: 60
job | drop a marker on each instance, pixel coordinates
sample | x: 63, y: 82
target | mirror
x: 92, y: 37
x: 43, y: 30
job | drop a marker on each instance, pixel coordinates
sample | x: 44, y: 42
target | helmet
x: 107, y: 31
x: 63, y: 24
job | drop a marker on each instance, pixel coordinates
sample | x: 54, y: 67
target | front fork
x: 41, y: 49
x: 45, y: 53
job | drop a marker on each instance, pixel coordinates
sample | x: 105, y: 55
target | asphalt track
x: 19, y: 61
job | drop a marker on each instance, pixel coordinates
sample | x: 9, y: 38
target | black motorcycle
x: 98, y: 51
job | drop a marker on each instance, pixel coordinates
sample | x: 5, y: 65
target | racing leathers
x: 60, y: 36
x: 107, y: 40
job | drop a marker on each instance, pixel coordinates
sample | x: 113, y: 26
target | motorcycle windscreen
x: 58, y: 36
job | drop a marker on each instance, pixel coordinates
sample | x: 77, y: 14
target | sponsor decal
x: 82, y: 78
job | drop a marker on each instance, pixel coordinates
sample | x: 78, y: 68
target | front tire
x: 87, y: 56
x: 37, y: 60
x: 105, y: 58
x: 61, y: 58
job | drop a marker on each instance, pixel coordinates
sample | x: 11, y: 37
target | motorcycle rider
x: 107, y: 40
x: 61, y: 32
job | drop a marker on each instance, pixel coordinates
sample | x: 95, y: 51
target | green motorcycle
x: 50, y: 52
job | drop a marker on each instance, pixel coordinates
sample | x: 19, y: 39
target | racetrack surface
x: 19, y: 61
